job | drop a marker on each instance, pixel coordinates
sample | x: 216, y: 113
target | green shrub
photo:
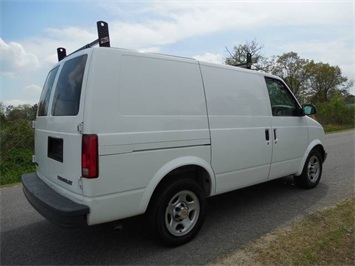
x: 16, y: 150
x: 336, y: 112
x: 16, y: 163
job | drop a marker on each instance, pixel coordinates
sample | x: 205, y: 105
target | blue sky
x: 32, y: 30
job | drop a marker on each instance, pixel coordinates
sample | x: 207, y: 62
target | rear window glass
x: 46, y: 93
x: 66, y: 100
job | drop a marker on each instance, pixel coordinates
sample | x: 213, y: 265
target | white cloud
x: 17, y: 102
x: 8, y: 74
x: 181, y: 19
x: 15, y: 58
x: 211, y: 58
x: 149, y: 26
x: 51, y: 59
x: 150, y: 50
x: 32, y: 93
x: 33, y: 89
x: 161, y: 23
x: 45, y: 47
x: 71, y: 38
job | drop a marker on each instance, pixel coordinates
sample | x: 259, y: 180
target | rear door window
x: 46, y: 93
x: 66, y: 100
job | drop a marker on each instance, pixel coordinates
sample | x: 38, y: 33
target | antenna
x: 248, y: 64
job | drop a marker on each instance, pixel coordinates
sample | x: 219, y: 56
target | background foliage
x: 318, y: 83
x: 17, y: 142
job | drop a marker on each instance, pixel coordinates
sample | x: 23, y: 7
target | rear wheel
x: 312, y: 171
x: 178, y: 212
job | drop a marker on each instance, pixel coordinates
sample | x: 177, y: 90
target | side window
x: 66, y: 100
x: 282, y: 101
x: 46, y: 92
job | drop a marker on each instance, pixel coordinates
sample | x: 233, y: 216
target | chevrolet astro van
x: 120, y: 133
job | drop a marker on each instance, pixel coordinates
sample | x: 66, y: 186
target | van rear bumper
x: 51, y: 205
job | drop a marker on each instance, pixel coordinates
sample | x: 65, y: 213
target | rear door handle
x: 275, y: 136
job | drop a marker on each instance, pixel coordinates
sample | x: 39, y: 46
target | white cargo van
x: 121, y: 133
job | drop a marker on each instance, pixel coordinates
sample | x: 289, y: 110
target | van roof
x: 167, y: 56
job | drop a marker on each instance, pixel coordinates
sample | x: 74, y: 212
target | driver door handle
x: 267, y: 136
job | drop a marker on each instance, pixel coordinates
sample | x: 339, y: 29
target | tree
x: 17, y: 133
x: 350, y: 99
x: 291, y: 68
x: 16, y: 141
x: 2, y: 115
x: 26, y: 112
x: 323, y: 81
x: 239, y: 55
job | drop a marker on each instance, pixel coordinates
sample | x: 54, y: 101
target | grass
x: 335, y: 128
x: 323, y: 238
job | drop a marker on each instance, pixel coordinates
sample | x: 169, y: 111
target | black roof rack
x: 103, y: 40
x: 247, y: 64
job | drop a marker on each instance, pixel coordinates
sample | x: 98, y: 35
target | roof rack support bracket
x: 103, y: 34
x: 103, y: 40
x: 61, y: 52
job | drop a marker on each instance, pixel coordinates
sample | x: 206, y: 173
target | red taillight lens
x: 90, y: 156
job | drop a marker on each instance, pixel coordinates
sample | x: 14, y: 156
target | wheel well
x: 197, y: 173
x: 321, y: 150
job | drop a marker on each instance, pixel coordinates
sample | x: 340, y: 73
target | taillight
x: 90, y: 156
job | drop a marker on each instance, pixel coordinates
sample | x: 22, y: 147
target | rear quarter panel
x: 147, y: 110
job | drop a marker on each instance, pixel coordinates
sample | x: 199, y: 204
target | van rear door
x: 60, y: 114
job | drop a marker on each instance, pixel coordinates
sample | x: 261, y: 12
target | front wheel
x: 178, y: 212
x: 312, y: 171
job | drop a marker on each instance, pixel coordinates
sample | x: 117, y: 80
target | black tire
x: 312, y: 171
x: 178, y: 211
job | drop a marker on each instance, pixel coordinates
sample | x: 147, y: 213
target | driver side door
x: 289, y: 131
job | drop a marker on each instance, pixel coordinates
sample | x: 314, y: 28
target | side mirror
x: 309, y: 109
